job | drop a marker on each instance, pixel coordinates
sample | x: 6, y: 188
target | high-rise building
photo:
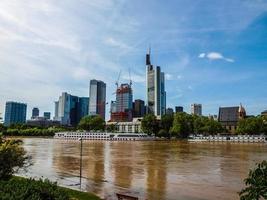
x: 70, y: 109
x: 196, y: 109
x: 83, y: 107
x: 179, y: 109
x: 47, y: 115
x: 15, y: 113
x: 124, y: 104
x: 138, y: 108
x: 156, y: 95
x: 97, y: 102
x: 35, y: 113
x: 169, y: 111
x: 229, y: 117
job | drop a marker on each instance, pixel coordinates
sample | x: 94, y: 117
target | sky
x: 213, y: 52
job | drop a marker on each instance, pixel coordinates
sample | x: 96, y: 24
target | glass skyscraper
x: 97, y: 101
x: 70, y: 109
x: 15, y: 113
x: 156, y: 95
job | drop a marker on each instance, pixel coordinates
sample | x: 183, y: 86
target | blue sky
x: 213, y: 52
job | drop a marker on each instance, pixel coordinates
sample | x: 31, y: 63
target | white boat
x: 223, y: 138
x: 103, y: 136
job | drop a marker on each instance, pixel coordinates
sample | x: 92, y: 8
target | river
x: 148, y: 169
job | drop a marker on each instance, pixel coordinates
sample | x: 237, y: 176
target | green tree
x: 150, y: 124
x: 111, y: 128
x: 252, y: 125
x: 12, y: 157
x: 94, y: 123
x: 166, y: 124
x: 182, y: 125
x: 256, y: 183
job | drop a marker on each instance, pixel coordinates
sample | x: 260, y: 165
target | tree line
x: 180, y: 125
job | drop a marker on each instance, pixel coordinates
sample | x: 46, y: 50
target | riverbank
x: 30, y: 189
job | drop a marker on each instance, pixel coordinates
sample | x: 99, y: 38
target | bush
x: 12, y: 157
x: 20, y: 188
x: 256, y: 183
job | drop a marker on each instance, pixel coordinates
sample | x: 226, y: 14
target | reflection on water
x: 149, y: 169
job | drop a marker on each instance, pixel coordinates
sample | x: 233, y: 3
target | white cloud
x: 215, y: 56
x: 202, y: 55
x: 168, y: 77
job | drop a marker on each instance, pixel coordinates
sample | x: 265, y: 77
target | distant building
x: 35, y: 113
x: 47, y: 115
x: 169, y: 111
x: 127, y: 127
x: 156, y: 94
x: 113, y: 107
x: 264, y: 113
x: 179, y: 109
x: 42, y: 122
x: 229, y: 117
x: 15, y: 113
x: 70, y: 109
x: 124, y: 104
x: 97, y: 102
x: 196, y: 109
x: 138, y: 108
x: 83, y: 107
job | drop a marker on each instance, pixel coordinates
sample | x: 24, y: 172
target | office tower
x: 83, y: 107
x: 179, y: 109
x: 15, y: 113
x: 169, y: 111
x: 35, y: 113
x: 138, y: 108
x: 196, y: 109
x: 47, y: 115
x: 156, y: 95
x: 97, y: 102
x: 124, y: 104
x: 70, y: 109
x: 229, y: 117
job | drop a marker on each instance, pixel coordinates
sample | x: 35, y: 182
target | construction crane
x: 117, y: 82
x: 130, y: 77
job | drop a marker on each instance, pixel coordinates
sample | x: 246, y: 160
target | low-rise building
x: 127, y: 127
x: 42, y: 122
x: 264, y: 113
x: 229, y: 117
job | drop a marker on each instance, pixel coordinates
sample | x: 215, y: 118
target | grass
x: 77, y: 195
x: 22, y: 185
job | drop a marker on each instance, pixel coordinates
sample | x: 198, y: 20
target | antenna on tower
x: 130, y: 77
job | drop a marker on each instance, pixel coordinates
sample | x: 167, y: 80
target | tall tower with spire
x: 155, y: 88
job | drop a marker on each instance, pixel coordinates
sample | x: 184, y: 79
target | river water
x: 148, y: 169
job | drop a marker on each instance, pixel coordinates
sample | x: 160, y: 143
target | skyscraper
x: 139, y: 108
x: 70, y: 109
x: 196, y: 109
x: 15, y: 113
x: 35, y: 113
x: 179, y: 109
x: 97, y: 102
x: 156, y: 95
x: 124, y: 104
x: 47, y: 115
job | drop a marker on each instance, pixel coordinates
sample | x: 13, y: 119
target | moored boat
x: 103, y: 136
x: 227, y: 138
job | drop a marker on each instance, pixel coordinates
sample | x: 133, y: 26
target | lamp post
x: 81, y: 154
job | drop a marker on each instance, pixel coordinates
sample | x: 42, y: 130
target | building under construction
x: 122, y: 109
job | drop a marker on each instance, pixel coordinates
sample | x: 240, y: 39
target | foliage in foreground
x: 20, y: 188
x: 12, y: 157
x: 256, y: 183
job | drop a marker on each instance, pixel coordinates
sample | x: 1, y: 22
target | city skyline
x: 49, y: 47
